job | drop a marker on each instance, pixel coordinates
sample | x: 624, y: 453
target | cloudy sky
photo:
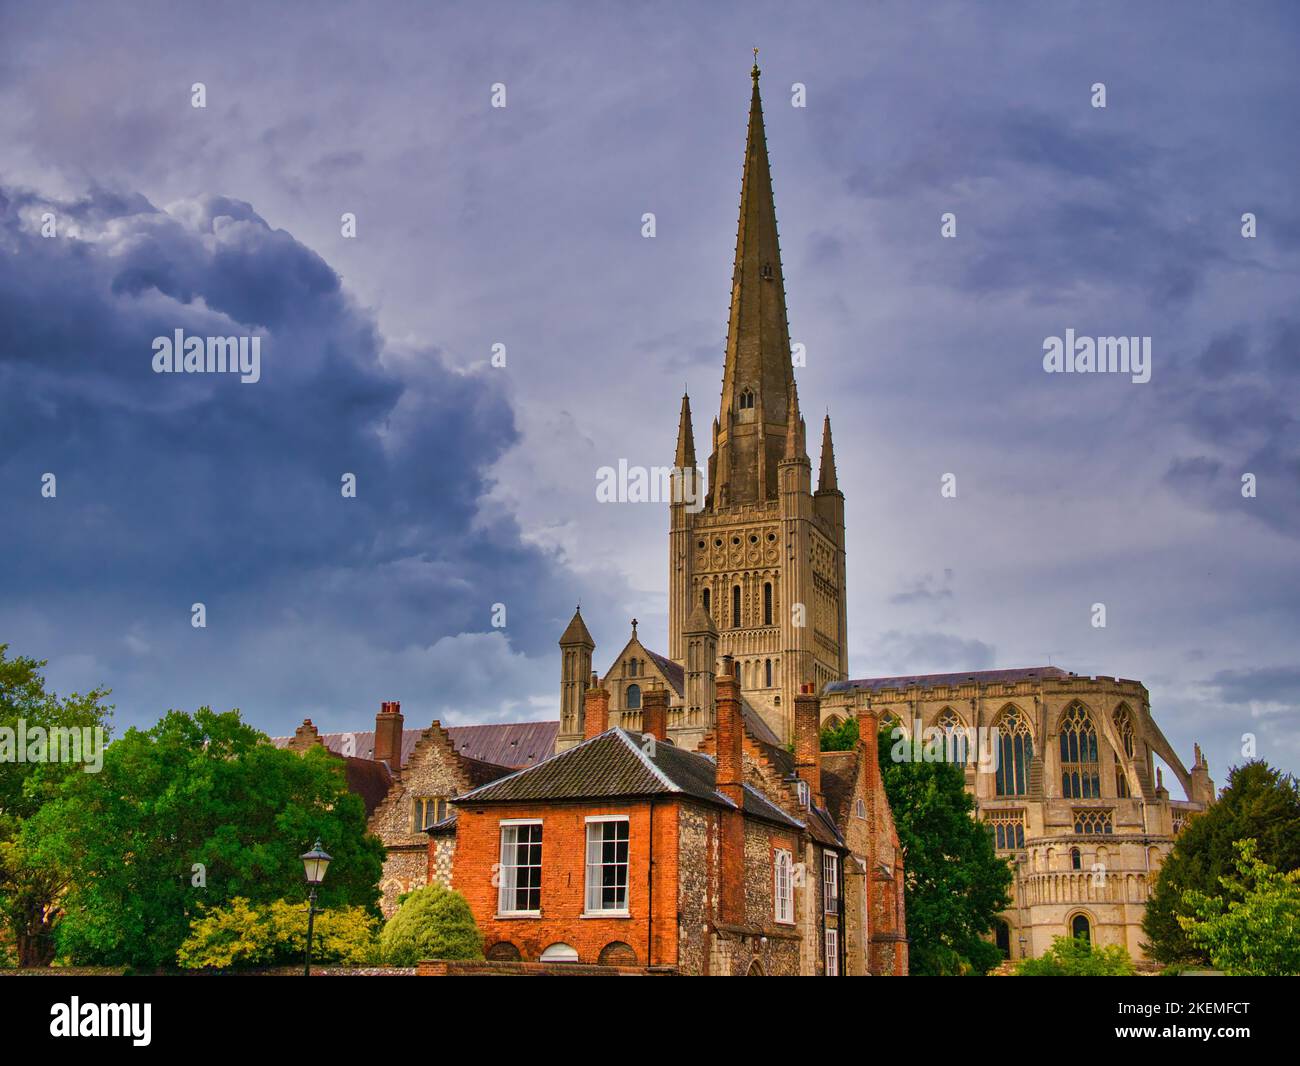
x: 521, y: 226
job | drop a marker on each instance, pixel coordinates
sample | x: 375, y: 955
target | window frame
x: 588, y: 911
x: 513, y: 886
x: 783, y: 863
x: 832, y: 952
x: 830, y: 882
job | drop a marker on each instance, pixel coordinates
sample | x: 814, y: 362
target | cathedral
x: 756, y: 571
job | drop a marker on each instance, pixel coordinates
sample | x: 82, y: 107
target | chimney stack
x: 808, y: 742
x: 388, y: 736
x: 595, y: 710
x: 730, y: 734
x: 654, y: 713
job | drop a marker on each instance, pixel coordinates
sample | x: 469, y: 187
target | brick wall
x: 478, y: 852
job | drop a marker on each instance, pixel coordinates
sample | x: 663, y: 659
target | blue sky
x: 522, y: 226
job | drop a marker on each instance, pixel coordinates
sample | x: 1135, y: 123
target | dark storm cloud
x: 178, y: 488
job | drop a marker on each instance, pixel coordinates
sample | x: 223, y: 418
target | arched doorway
x: 1002, y: 937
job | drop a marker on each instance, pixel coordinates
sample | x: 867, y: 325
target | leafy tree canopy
x: 954, y: 881
x: 242, y: 934
x: 188, y: 815
x: 843, y: 737
x: 1259, y: 803
x: 1253, y: 929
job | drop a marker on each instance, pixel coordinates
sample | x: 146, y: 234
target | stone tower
x: 764, y: 555
x: 576, y: 647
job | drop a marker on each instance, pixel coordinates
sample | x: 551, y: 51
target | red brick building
x: 627, y: 850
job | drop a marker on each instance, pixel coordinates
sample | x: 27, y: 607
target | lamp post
x: 315, y: 862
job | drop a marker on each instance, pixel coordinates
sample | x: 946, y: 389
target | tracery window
x: 1080, y: 770
x: 1094, y: 821
x: 954, y: 740
x: 1016, y: 751
x: 746, y: 398
x: 1008, y: 829
x: 1124, y: 724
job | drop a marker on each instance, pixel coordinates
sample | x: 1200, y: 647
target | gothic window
x: 767, y: 673
x: 1080, y: 770
x: 735, y: 606
x: 1016, y: 751
x: 767, y: 603
x: 954, y: 736
x: 1076, y: 859
x: 705, y: 600
x: 746, y: 398
x: 1124, y: 724
x: 1093, y: 821
x: 1121, y: 783
x: 1081, y: 928
x: 1008, y: 828
x: 633, y: 697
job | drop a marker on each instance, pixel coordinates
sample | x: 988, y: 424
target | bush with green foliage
x: 432, y: 923
x: 1258, y: 803
x: 1076, y: 957
x: 242, y: 934
x: 1253, y: 928
x: 955, y: 883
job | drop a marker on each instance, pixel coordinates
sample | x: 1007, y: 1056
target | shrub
x: 1076, y: 957
x: 242, y: 935
x: 433, y: 923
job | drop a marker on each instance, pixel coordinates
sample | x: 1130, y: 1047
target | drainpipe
x: 650, y: 894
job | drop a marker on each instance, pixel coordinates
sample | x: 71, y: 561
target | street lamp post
x: 315, y: 862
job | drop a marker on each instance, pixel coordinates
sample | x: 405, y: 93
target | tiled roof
x: 509, y: 744
x: 368, y: 779
x: 616, y: 764
x: 979, y: 677
x: 839, y: 770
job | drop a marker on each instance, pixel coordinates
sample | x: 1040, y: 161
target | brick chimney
x: 730, y: 781
x: 808, y: 742
x: 305, y: 736
x: 388, y: 736
x: 595, y: 714
x: 654, y: 713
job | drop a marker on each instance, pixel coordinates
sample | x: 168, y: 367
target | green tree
x: 1259, y: 803
x: 843, y: 737
x: 433, y: 923
x: 188, y: 815
x: 242, y: 934
x: 1076, y: 957
x: 30, y: 888
x: 954, y: 882
x: 1253, y: 928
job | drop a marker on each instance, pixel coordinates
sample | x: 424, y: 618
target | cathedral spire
x: 757, y: 375
x: 826, y: 481
x: 685, y: 459
x: 795, y: 440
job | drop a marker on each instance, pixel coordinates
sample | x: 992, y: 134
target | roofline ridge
x: 663, y: 778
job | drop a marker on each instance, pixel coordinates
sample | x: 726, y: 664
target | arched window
x: 631, y: 668
x: 1124, y: 724
x: 767, y: 673
x: 735, y: 606
x: 767, y: 603
x: 560, y: 953
x: 1080, y: 771
x: 633, y: 697
x: 1002, y: 936
x: 705, y: 600
x: 1017, y: 751
x: 746, y: 398
x: 1121, y: 783
x: 1076, y: 859
x: 1081, y: 928
x: 954, y: 736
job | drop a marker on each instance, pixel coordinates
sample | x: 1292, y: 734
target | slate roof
x: 509, y: 744
x: 979, y: 677
x: 615, y: 765
x: 368, y: 779
x: 672, y: 671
